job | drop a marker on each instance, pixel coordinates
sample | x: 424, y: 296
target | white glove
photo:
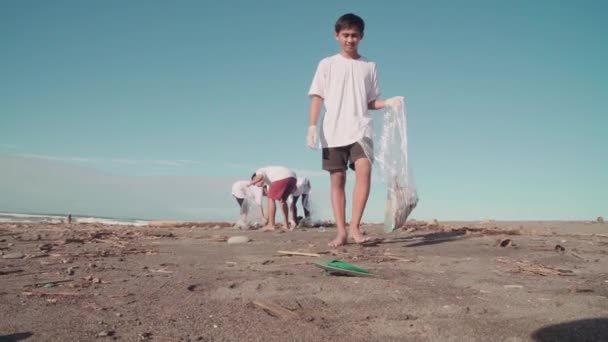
x: 394, y: 103
x: 311, y: 137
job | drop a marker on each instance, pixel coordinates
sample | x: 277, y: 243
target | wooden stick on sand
x: 48, y: 294
x: 275, y: 310
x: 299, y: 253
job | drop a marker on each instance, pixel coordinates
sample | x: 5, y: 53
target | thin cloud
x: 163, y: 162
x: 55, y: 158
x: 8, y: 146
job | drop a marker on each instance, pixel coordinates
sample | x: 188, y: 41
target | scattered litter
x: 299, y: 253
x: 39, y: 255
x: 46, y: 283
x: 576, y: 255
x: 161, y: 270
x: 106, y: 333
x: 505, y: 243
x: 16, y: 255
x: 390, y: 257
x: 529, y: 267
x: 433, y: 224
x: 514, y: 287
x: 49, y: 285
x: 340, y: 267
x: 275, y: 310
x: 238, y: 239
x: 45, y: 294
x: 66, y: 241
x: 11, y: 272
x: 582, y: 290
x: 213, y: 238
x: 194, y: 287
x: 46, y: 247
x: 560, y: 248
x: 145, y: 336
x: 51, y: 300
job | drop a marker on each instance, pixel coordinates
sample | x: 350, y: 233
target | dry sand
x: 446, y: 282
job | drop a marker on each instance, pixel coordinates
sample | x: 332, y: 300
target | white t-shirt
x: 241, y: 189
x: 303, y: 187
x: 346, y: 86
x: 275, y: 173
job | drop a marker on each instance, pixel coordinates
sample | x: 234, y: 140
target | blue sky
x: 171, y: 102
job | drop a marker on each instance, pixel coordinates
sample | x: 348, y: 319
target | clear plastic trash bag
x: 392, y: 164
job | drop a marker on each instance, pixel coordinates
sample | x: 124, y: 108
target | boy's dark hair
x: 350, y: 20
x: 253, y: 175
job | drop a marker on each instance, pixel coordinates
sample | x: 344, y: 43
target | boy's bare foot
x: 357, y: 236
x: 269, y: 228
x: 340, y: 240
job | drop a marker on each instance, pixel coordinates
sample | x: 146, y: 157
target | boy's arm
x: 316, y: 103
x: 376, y: 104
x: 395, y: 103
x: 256, y: 179
x: 315, y: 110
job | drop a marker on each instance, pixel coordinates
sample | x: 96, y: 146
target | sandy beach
x: 449, y: 281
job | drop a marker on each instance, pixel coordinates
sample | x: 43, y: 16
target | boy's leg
x: 285, y: 213
x: 272, y: 209
x: 294, y: 208
x: 360, y: 195
x: 338, y: 202
x: 242, y: 209
x: 305, y: 205
x: 335, y: 161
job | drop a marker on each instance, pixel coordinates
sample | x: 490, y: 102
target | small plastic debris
x: 106, y: 333
x: 16, y: 255
x: 505, y: 243
x: 238, y: 239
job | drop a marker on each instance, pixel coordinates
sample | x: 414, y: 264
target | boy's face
x: 349, y: 39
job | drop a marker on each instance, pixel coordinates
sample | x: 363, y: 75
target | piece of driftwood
x: 275, y: 309
x: 533, y: 268
x: 299, y: 253
x: 50, y: 294
x: 49, y: 281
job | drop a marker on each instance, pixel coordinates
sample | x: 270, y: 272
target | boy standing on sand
x: 347, y: 84
x: 281, y: 183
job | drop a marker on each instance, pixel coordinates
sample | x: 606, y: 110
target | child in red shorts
x: 281, y: 183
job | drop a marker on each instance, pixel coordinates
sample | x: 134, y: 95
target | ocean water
x: 56, y: 218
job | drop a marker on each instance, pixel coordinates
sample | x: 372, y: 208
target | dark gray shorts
x: 342, y: 157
